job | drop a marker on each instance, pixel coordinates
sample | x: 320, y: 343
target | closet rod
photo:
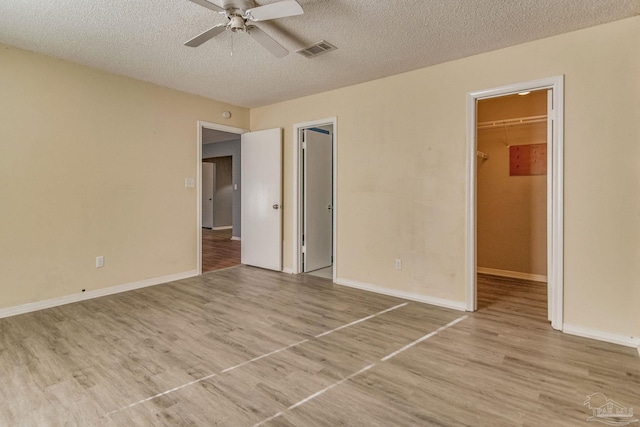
x: 482, y: 155
x: 518, y: 121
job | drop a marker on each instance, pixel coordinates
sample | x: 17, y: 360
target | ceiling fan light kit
x: 241, y: 12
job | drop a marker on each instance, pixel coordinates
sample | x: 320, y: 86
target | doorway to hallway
x: 220, y: 185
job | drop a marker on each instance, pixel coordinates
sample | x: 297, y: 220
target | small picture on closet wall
x: 528, y: 159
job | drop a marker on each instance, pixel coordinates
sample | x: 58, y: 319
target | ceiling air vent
x: 316, y: 49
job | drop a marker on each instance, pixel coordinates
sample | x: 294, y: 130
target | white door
x: 208, y: 185
x: 318, y: 199
x: 261, y: 168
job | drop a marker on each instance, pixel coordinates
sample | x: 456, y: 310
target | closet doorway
x: 511, y: 188
x: 515, y: 198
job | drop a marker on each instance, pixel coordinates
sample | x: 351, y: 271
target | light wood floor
x: 525, y: 298
x: 244, y: 347
x: 218, y: 250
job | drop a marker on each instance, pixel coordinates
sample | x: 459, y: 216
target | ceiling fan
x: 241, y: 14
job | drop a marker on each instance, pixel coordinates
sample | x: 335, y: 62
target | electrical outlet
x: 398, y: 264
x: 99, y: 261
x: 189, y: 183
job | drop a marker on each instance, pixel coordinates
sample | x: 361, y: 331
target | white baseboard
x: 624, y: 340
x: 287, y: 270
x: 226, y: 227
x: 67, y: 299
x: 456, y: 305
x: 235, y: 238
x: 512, y: 274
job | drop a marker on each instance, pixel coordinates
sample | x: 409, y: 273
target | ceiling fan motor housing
x: 237, y: 23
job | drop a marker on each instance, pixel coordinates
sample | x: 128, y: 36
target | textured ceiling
x: 144, y: 39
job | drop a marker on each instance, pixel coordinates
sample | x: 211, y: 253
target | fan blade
x: 267, y: 42
x: 207, y: 35
x: 208, y: 5
x: 275, y: 10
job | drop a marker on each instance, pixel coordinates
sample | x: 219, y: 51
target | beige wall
x: 93, y: 164
x: 401, y: 170
x: 511, y: 210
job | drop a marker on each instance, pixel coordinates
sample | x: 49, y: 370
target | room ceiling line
x: 144, y: 39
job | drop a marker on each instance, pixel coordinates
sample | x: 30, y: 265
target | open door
x: 262, y: 199
x: 318, y: 199
x: 208, y: 193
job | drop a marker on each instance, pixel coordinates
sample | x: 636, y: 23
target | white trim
x: 512, y: 274
x: 68, y: 299
x: 595, y: 334
x: 235, y: 238
x: 226, y: 227
x: 199, y: 201
x: 296, y: 208
x: 214, y: 126
x: 555, y: 194
x: 287, y: 270
x: 440, y: 302
x: 549, y: 189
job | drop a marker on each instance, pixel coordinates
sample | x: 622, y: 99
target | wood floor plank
x: 237, y: 346
x: 218, y: 250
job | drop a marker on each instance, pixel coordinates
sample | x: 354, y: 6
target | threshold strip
x: 316, y: 394
x: 366, y: 368
x: 361, y: 320
x: 426, y: 337
x: 161, y: 394
x: 256, y: 359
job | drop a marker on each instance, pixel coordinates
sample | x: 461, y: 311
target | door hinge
x: 304, y: 145
x: 304, y: 249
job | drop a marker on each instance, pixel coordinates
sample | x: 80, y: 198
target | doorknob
x: 276, y: 206
x: 329, y: 207
x: 209, y: 199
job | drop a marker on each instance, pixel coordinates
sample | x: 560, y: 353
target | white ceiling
x: 144, y: 39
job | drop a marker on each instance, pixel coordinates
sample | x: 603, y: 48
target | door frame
x: 297, y: 192
x: 213, y: 126
x: 555, y: 192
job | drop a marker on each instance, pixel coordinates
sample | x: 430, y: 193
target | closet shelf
x: 518, y: 121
